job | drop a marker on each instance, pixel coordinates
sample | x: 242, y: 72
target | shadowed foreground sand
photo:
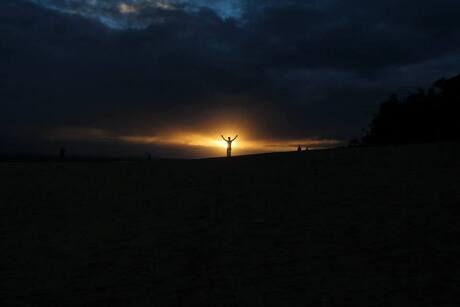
x: 344, y: 227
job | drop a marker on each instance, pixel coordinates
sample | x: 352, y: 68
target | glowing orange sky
x: 216, y: 146
x: 202, y: 139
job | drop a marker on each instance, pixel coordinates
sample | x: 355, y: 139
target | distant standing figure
x: 229, y: 145
x: 62, y: 152
x: 299, y: 148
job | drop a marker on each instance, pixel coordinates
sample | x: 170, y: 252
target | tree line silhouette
x: 424, y: 116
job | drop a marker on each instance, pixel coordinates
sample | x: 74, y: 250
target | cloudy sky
x: 170, y: 76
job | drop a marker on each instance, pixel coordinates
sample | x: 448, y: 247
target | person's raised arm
x: 235, y: 137
x: 223, y: 138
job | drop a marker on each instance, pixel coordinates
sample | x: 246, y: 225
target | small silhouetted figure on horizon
x: 299, y: 149
x: 229, y: 145
x: 62, y: 152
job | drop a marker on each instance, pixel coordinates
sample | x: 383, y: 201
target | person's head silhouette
x: 229, y: 139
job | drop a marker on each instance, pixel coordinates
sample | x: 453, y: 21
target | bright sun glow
x: 216, y: 145
x: 207, y: 145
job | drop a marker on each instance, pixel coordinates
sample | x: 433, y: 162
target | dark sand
x: 344, y: 227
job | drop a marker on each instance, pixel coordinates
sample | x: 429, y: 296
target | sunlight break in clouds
x: 126, y: 8
x: 242, y: 145
x: 210, y: 144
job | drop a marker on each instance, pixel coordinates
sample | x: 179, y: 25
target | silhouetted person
x: 62, y: 152
x: 299, y: 149
x: 229, y: 145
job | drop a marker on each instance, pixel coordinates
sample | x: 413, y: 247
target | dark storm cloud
x: 304, y: 68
